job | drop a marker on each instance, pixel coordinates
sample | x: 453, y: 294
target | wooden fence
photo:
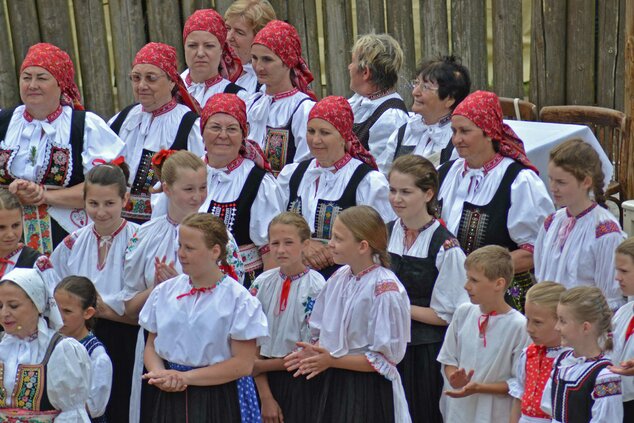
x: 577, y: 46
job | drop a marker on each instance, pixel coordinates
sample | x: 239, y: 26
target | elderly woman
x: 492, y: 194
x: 378, y: 109
x: 342, y: 175
x: 48, y: 144
x: 166, y: 118
x: 212, y: 65
x: 240, y: 187
x: 440, y: 86
x: 244, y: 18
x: 45, y: 376
x: 278, y: 114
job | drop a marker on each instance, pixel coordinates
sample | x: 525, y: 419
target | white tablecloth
x: 540, y: 137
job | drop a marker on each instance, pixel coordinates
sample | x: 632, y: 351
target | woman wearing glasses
x: 440, y: 86
x: 165, y: 117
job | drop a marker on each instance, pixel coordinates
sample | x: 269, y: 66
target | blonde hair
x: 9, y: 201
x: 292, y: 219
x: 166, y: 172
x: 213, y: 229
x: 424, y: 174
x: 494, y: 261
x: 626, y: 248
x: 257, y: 13
x: 588, y: 304
x: 366, y: 224
x: 546, y: 294
x: 382, y: 55
x: 581, y: 160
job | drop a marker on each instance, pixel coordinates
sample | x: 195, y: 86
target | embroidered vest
x: 538, y: 369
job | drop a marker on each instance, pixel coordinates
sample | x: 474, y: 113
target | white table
x: 540, y: 137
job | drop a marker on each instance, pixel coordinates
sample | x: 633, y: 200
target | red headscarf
x: 337, y: 111
x: 58, y: 63
x: 483, y: 108
x: 283, y: 40
x: 233, y: 105
x: 164, y: 57
x: 209, y: 20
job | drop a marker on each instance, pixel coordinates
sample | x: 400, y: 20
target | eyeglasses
x: 231, y: 131
x: 149, y: 78
x: 425, y: 86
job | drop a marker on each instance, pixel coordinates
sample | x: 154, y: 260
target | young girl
x: 76, y: 298
x: 13, y: 253
x: 97, y: 251
x: 429, y: 262
x: 287, y: 294
x: 581, y: 388
x: 623, y: 322
x: 536, y: 361
x: 575, y: 246
x: 151, y: 257
x: 362, y: 322
x: 197, y: 374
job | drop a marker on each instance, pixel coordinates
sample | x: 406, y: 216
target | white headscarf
x: 35, y: 287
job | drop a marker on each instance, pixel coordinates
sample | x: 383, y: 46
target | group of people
x: 229, y: 248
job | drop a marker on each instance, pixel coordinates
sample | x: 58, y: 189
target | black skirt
x: 355, y: 397
x: 198, y: 404
x: 422, y: 381
x: 119, y: 339
x: 297, y: 397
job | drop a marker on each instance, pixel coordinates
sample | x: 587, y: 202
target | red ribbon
x: 195, y: 291
x: 630, y: 329
x: 159, y: 158
x: 483, y: 322
x: 286, y: 288
x: 3, y: 265
x: 229, y: 271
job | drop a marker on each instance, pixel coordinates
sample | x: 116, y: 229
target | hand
x: 271, y: 411
x: 460, y: 378
x: 626, y: 368
x: 317, y: 255
x: 293, y: 360
x: 467, y: 390
x: 163, y: 270
x: 29, y: 193
x: 319, y: 359
x: 102, y: 308
x: 166, y: 380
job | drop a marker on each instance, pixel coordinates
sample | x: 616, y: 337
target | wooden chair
x: 516, y: 109
x: 611, y: 127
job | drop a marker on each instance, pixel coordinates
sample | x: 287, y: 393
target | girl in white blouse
x: 203, y: 327
x: 287, y: 294
x: 575, y: 245
x: 361, y: 325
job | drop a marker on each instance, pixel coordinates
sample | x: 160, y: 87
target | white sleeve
x: 68, y: 387
x: 249, y: 321
x: 449, y: 352
x: 134, y: 280
x: 608, y: 400
x: 373, y: 191
x: 298, y: 128
x: 195, y: 140
x: 546, y: 403
x: 101, y: 382
x: 284, y: 180
x: 389, y: 329
x: 100, y: 142
x: 604, y: 272
x: 390, y: 120
x: 449, y: 292
x: 147, y: 316
x: 268, y: 203
x: 384, y: 160
x: 530, y: 205
x: 243, y: 94
x: 516, y: 384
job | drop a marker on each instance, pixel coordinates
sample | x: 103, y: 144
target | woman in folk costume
x: 278, y: 113
x: 48, y: 144
x: 342, y: 175
x: 165, y: 117
x: 492, y: 194
x: 45, y: 377
x: 240, y: 188
x: 212, y: 65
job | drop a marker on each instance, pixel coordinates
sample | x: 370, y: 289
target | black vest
x: 402, y: 150
x: 27, y: 258
x: 362, y: 129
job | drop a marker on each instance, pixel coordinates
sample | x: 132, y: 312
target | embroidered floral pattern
x: 59, y: 167
x: 276, y: 148
x: 28, y: 392
x: 450, y: 243
x: 382, y: 287
x: 43, y: 263
x: 607, y: 389
x: 69, y: 241
x: 5, y: 161
x: 607, y: 227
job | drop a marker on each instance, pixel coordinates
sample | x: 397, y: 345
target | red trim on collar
x: 208, y: 82
x: 488, y: 166
x: 285, y: 94
x: 583, y: 213
x: 379, y: 94
x: 167, y: 107
x: 235, y: 164
x: 14, y: 252
x: 339, y: 164
x: 50, y: 118
x: 364, y: 272
x: 115, y: 233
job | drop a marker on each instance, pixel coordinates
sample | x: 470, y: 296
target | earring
x: 19, y: 327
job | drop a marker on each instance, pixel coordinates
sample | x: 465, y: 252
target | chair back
x: 516, y: 109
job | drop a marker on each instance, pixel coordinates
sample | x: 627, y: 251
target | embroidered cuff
x: 607, y: 389
x: 527, y: 247
x: 382, y: 365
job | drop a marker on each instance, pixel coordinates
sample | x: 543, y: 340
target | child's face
x: 286, y: 245
x: 480, y: 288
x: 571, y: 329
x: 193, y: 254
x: 73, y: 314
x: 189, y: 190
x: 103, y: 205
x: 343, y: 245
x: 407, y: 200
x: 18, y: 314
x: 10, y: 230
x: 540, y: 325
x: 625, y: 273
x: 566, y: 189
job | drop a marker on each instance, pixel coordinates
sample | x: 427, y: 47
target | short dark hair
x: 450, y: 74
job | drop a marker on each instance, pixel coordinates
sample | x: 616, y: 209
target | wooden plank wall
x: 561, y: 71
